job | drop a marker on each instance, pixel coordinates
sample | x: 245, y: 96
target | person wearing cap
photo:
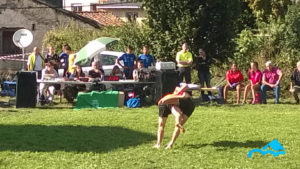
x: 271, y: 81
x: 184, y: 61
x: 47, y: 91
x: 295, y: 83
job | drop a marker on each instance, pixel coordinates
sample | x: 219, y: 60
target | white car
x: 107, y: 60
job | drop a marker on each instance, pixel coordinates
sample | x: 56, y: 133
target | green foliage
x: 278, y: 41
x: 71, y: 34
x: 269, y: 9
x: 210, y: 25
x: 132, y: 34
x: 203, y: 24
x: 247, y: 46
x: 215, y: 137
x: 292, y: 20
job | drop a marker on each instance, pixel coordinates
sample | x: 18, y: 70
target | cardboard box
x: 121, y: 99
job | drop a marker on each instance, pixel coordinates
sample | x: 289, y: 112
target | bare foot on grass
x: 157, y: 146
x: 169, y: 146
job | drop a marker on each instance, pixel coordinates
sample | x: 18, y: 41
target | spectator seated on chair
x: 47, y: 91
x: 271, y: 81
x: 254, y: 76
x: 234, y: 79
x: 295, y: 84
x: 96, y: 75
x: 116, y: 71
x: 137, y: 73
x: 71, y: 91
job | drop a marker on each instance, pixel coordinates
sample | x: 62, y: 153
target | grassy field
x: 216, y: 137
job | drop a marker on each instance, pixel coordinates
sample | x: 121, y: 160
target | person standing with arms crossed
x: 184, y: 61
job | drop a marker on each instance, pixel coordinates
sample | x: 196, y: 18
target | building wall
x: 37, y: 20
x: 121, y: 13
x: 85, y: 4
x: 57, y: 3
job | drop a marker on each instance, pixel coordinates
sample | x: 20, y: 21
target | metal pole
x: 23, y: 66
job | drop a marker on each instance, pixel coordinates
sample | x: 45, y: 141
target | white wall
x: 85, y: 4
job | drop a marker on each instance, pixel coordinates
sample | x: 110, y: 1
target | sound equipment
x: 165, y: 66
x: 26, y: 89
x: 166, y: 82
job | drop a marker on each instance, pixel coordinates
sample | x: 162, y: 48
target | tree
x: 266, y: 9
x: 277, y: 40
x: 206, y: 24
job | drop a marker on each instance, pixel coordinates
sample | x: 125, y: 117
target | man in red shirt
x: 234, y: 79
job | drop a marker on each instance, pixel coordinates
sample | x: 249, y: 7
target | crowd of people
x: 52, y: 65
x: 259, y: 82
x: 179, y: 102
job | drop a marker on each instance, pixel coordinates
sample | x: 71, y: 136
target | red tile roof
x: 102, y: 17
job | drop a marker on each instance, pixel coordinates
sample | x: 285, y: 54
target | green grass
x: 216, y: 137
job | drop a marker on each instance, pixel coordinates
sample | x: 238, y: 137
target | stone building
x: 127, y: 10
x: 38, y: 16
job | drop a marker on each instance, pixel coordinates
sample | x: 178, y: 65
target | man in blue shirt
x: 64, y: 58
x: 129, y: 62
x: 148, y: 60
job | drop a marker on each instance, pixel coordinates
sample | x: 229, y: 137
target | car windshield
x: 104, y: 59
x: 107, y: 59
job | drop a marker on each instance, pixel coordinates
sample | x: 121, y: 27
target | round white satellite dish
x: 22, y: 38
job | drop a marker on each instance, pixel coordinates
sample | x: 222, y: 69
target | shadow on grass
x: 53, y: 107
x: 5, y: 104
x: 38, y: 138
x: 198, y: 102
x: 223, y: 145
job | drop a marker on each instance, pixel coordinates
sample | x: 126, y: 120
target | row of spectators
x: 259, y: 82
x: 49, y: 67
